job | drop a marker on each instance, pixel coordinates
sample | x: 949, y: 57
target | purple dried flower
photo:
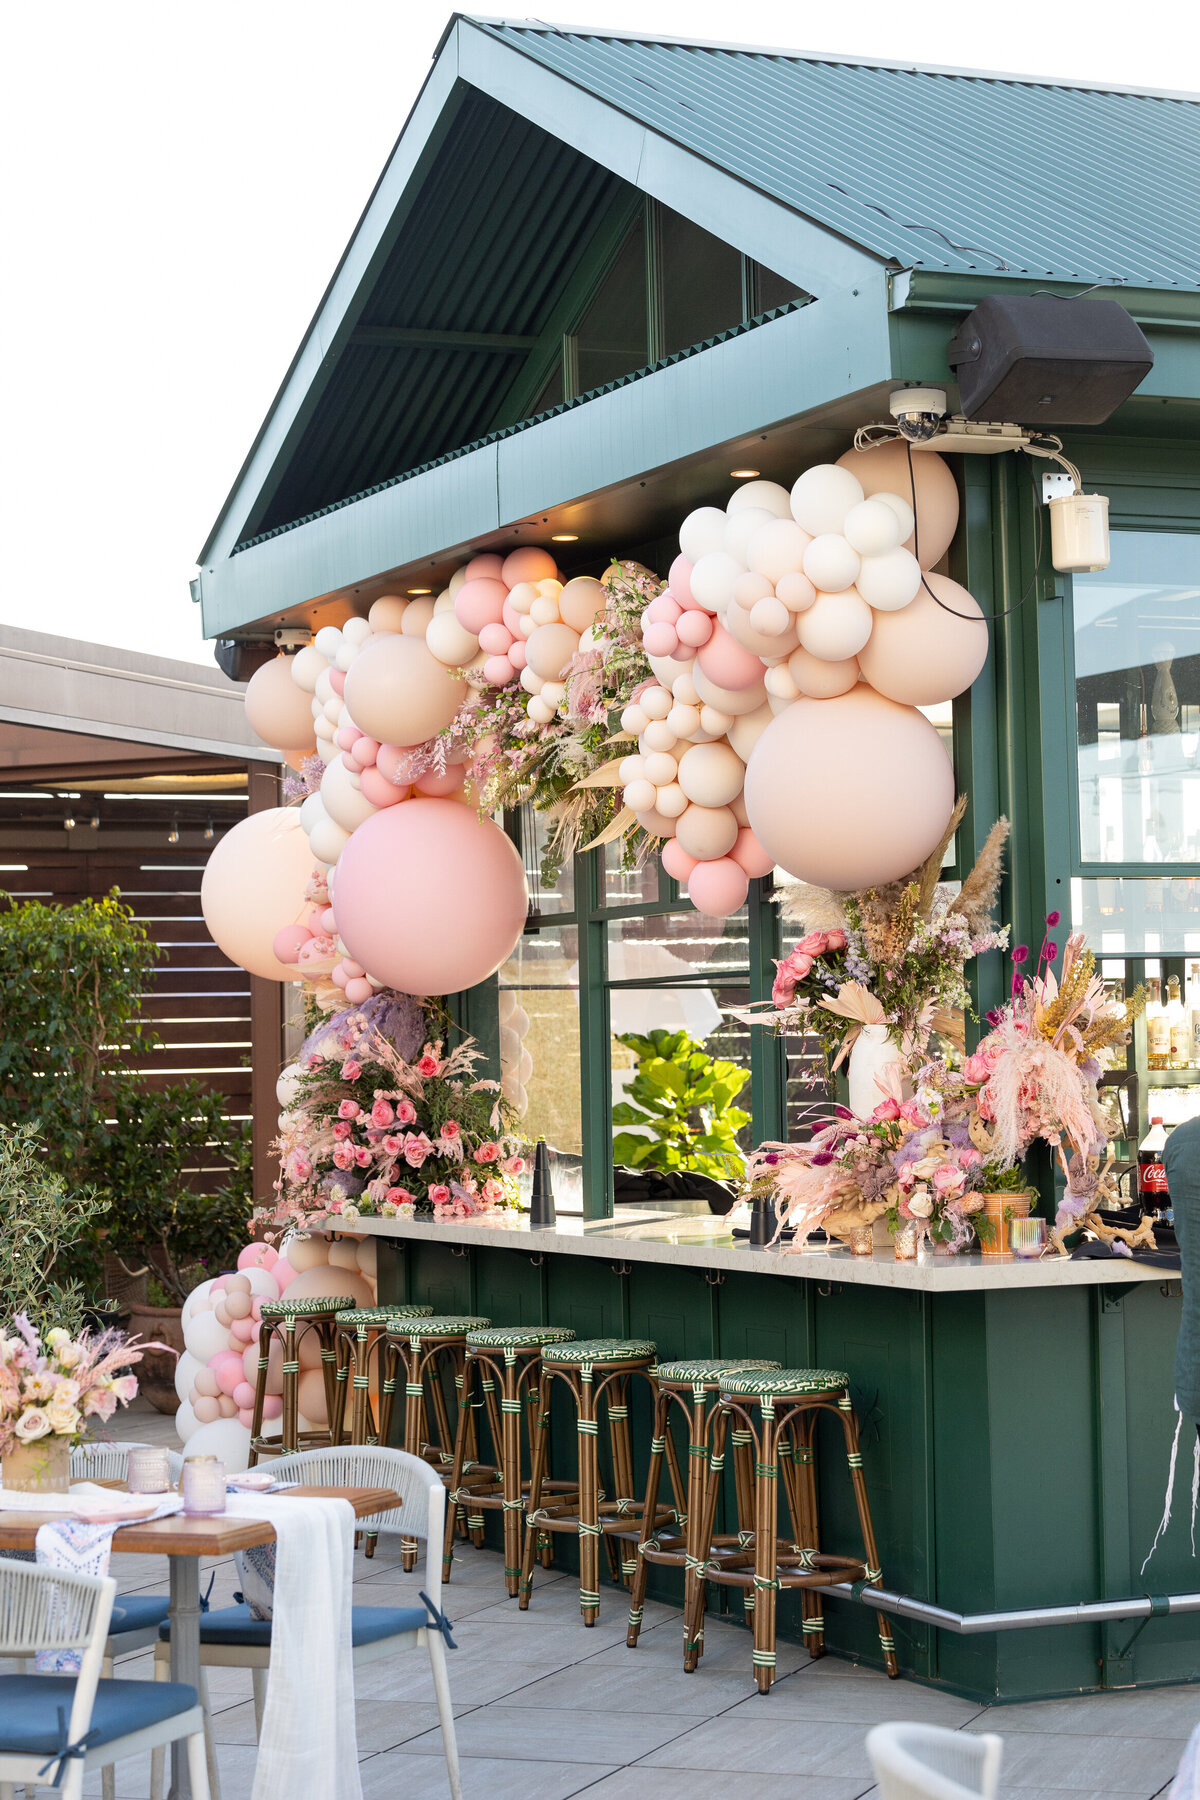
x: 842, y: 1112
x: 1051, y: 952
x: 822, y: 1159
x: 1021, y: 953
x: 994, y: 1016
x: 771, y: 1159
x: 1052, y: 918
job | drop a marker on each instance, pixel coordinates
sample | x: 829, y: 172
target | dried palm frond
x: 929, y: 873
x: 886, y: 915
x: 977, y: 897
x: 812, y: 908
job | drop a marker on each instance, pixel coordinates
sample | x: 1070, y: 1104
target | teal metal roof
x: 940, y: 170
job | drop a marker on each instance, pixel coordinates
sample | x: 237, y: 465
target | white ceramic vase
x: 873, y: 1049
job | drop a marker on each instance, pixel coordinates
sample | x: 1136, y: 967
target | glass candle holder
x: 862, y: 1240
x: 203, y: 1485
x: 906, y: 1241
x: 147, y: 1470
x: 1028, y: 1237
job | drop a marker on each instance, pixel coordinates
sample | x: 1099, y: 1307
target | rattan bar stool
x: 426, y: 1349
x: 691, y: 1388
x: 505, y: 1361
x: 290, y: 1321
x: 361, y: 1339
x: 776, y: 1406
x: 588, y: 1369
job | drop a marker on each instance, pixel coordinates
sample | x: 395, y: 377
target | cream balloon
x: 778, y: 549
x: 740, y: 527
x: 713, y: 579
x: 711, y: 775
x: 851, y: 792
x: 702, y: 532
x: 581, y: 602
x: 740, y: 625
x: 253, y: 884
x: 822, y: 498
x: 889, y: 581
x: 819, y: 679
x: 343, y: 798
x: 765, y: 495
x: 872, y: 528
x: 745, y: 732
x: 449, y: 641
x: 550, y: 649
x: 306, y: 667
x: 885, y: 470
x: 399, y: 693
x: 707, y: 832
x: 830, y: 563
x: 927, y: 652
x: 277, y: 708
x: 304, y: 1252
x: 326, y: 841
x: 328, y: 641
x: 654, y: 824
x: 836, y: 627
x: 387, y: 613
x: 416, y: 619
x: 730, y: 701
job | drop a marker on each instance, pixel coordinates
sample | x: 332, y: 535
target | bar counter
x: 1016, y: 1416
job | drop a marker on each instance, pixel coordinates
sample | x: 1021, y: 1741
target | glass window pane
x: 695, y: 1114
x: 539, y: 1036
x: 671, y: 946
x: 1132, y: 916
x: 628, y: 887
x: 551, y: 889
x: 611, y: 338
x: 702, y: 283
x: 551, y: 394
x: 776, y: 290
x: 1137, y: 701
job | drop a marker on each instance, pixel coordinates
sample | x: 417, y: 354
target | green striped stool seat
x: 707, y: 1371
x: 518, y: 1337
x: 783, y: 1384
x: 438, y: 1325
x: 327, y: 1307
x: 380, y: 1315
x: 598, y: 1350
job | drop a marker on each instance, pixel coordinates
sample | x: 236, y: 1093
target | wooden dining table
x: 183, y: 1542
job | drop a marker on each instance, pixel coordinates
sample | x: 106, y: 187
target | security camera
x: 918, y: 411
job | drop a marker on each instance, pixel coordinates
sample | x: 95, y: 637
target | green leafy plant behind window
x: 42, y: 1220
x: 682, y: 1099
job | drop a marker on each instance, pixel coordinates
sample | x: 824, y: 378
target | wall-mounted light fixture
x: 173, y: 834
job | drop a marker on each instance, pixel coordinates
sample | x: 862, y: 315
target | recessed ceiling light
x: 743, y: 474
x: 415, y: 593
x: 565, y: 537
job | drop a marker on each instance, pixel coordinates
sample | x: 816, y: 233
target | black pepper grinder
x: 763, y: 1221
x: 542, y: 1216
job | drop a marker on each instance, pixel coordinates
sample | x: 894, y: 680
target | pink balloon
x: 718, y: 888
x: 511, y: 617
x: 484, y: 567
x: 338, y: 976
x: 283, y: 1273
x: 348, y: 762
x: 350, y: 969
x: 337, y: 681
x: 438, y: 786
x: 695, y: 628
x: 480, y: 603
x: 246, y: 1415
x: 679, y: 580
x: 256, y: 1306
x: 228, y: 1371
x: 676, y: 861
x: 245, y: 1330
x: 258, y: 1256
x: 218, y: 1287
x: 379, y: 790
x: 665, y: 610
x: 495, y: 639
x: 529, y: 564
x: 660, y: 640
x: 517, y: 653
x: 327, y: 921
x: 364, y: 750
x: 358, y: 990
x: 346, y: 736
x: 727, y: 663
x: 395, y: 765
x: 243, y: 1394
x: 206, y: 1409
x: 498, y: 670
x: 749, y: 854
x: 272, y: 1406
x: 415, y: 931
x: 287, y: 943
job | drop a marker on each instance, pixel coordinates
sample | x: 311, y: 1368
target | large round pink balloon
x: 884, y: 470
x: 430, y: 898
x: 927, y: 652
x: 253, y: 885
x: 278, y: 711
x: 846, y: 793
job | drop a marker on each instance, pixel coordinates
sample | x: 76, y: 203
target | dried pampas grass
x: 811, y: 908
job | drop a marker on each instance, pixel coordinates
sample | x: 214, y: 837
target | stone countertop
x: 705, y: 1241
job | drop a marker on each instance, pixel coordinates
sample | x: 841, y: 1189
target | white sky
x: 179, y: 180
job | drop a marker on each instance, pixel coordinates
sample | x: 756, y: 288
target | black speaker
x: 239, y: 658
x: 1041, y: 359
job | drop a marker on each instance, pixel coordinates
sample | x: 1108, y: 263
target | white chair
x: 230, y: 1638
x: 927, y: 1762
x: 54, y: 1729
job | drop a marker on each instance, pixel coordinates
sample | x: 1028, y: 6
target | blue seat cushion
x: 368, y: 1624
x: 138, y: 1612
x: 30, y: 1706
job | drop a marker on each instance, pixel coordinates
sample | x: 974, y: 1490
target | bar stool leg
x: 510, y: 1457
x: 326, y: 1331
x: 589, y: 1499
x: 360, y: 1413
x: 341, y: 1377
x: 389, y: 1375
x: 260, y: 1389
x: 433, y: 1374
x: 855, y: 1463
x: 622, y: 1459
x: 469, y: 1524
x: 540, y: 1450
x: 808, y: 1531
x: 289, y: 1428
x: 766, y: 1528
x: 637, y: 1596
x: 743, y: 1479
x: 456, y: 1470
x: 701, y: 1535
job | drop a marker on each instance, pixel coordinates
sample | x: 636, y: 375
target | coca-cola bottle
x: 1152, y: 1173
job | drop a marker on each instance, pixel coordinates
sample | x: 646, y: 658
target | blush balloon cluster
x: 799, y: 633
x: 215, y: 1377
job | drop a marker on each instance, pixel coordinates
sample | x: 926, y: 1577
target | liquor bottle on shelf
x: 1179, y: 1027
x: 1152, y: 1173
x: 1193, y: 1008
x: 1158, y: 1029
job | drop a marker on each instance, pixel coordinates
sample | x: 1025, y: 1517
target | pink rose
x: 342, y: 1129
x: 416, y: 1148
x: 515, y: 1165
x: 382, y: 1114
x: 315, y: 1060
x: 835, y: 939
x: 400, y: 1196
x: 299, y: 1167
x: 812, y: 944
x: 976, y: 1069
x: 493, y: 1191
x: 450, y: 1130
x: 886, y: 1110
x: 362, y: 1157
x: 125, y: 1387
x: 343, y: 1156
x: 428, y: 1065
x: 406, y: 1113
x: 348, y: 1109
x: 393, y: 1145
x: 100, y: 1403
x: 948, y: 1179
x: 351, y: 1070
x: 487, y: 1153
x: 439, y: 1194
x: 799, y: 962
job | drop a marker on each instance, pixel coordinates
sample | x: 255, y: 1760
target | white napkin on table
x: 308, y: 1744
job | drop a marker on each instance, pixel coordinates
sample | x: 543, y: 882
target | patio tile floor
x: 547, y: 1709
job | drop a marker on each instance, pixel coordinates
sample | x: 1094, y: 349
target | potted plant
x: 680, y: 1103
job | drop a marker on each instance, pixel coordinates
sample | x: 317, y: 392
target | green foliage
x: 41, y: 1220
x: 684, y: 1099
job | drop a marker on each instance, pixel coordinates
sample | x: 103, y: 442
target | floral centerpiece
x: 368, y: 1132
x: 51, y: 1388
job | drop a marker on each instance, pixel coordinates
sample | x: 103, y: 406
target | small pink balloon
x: 364, y: 751
x: 727, y: 663
x: 246, y: 1415
x: 718, y: 888
x: 679, y: 580
x: 218, y: 1287
x: 287, y: 943
x: 243, y: 1394
x: 676, y: 861
x: 379, y: 790
x: 337, y: 681
x: 327, y: 920
x: 338, y: 976
x: 511, y: 617
x: 663, y: 611
x: 395, y: 765
x: 529, y: 564
x: 495, y: 639
x: 358, y: 991
x: 244, y: 1330
x: 694, y: 629
x: 486, y: 566
x: 256, y: 1304
x: 350, y: 969
x: 229, y: 1373
x: 479, y: 603
x: 346, y: 736
x: 347, y: 761
x: 498, y: 671
x: 439, y: 785
x: 272, y: 1406
x: 517, y: 654
x: 284, y: 1273
x: 257, y: 1256
x: 749, y: 854
x: 660, y: 640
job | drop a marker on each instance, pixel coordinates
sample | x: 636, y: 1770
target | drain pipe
x: 1091, y: 1612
